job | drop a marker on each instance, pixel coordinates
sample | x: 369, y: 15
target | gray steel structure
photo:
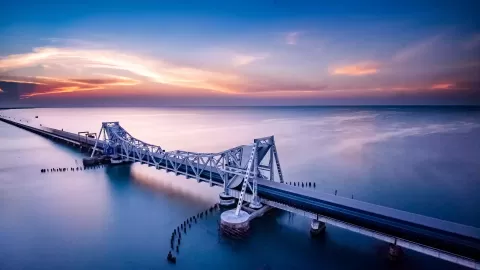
x: 229, y: 168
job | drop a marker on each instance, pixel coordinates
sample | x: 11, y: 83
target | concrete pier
x: 255, y: 204
x: 226, y: 200
x: 317, y: 227
x: 237, y: 226
x: 394, y: 252
x: 96, y: 160
x: 256, y: 213
x: 233, y: 225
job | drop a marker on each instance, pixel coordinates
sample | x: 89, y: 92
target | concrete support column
x: 226, y: 200
x: 255, y: 204
x: 394, y: 252
x: 317, y: 228
x: 233, y: 225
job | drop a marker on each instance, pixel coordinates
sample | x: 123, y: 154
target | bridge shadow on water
x: 120, y: 174
x: 294, y: 248
x: 305, y: 252
x: 158, y: 183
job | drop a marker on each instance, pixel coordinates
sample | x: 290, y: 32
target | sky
x: 276, y: 52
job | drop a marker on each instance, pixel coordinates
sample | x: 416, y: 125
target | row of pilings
x: 71, y: 169
x: 176, y: 237
x: 308, y: 185
x: 302, y: 184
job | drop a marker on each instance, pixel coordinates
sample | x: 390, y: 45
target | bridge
x: 247, y: 173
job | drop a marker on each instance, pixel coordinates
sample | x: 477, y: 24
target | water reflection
x: 173, y: 186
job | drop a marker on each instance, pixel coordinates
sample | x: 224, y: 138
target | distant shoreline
x: 16, y: 108
x: 258, y: 106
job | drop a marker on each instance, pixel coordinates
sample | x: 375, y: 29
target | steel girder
x: 224, y: 168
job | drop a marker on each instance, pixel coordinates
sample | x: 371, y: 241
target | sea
x: 424, y: 160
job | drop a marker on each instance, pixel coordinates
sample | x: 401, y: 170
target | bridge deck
x: 426, y: 221
x: 453, y: 237
x: 55, y: 133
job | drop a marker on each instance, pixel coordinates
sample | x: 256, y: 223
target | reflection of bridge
x: 248, y: 173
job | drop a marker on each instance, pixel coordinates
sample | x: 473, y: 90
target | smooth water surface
x: 423, y: 160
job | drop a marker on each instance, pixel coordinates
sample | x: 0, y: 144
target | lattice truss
x: 228, y: 168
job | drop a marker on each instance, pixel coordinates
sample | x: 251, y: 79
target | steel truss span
x: 229, y: 169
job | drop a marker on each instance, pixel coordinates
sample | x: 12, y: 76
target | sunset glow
x: 442, y: 86
x: 320, y: 55
x: 357, y: 70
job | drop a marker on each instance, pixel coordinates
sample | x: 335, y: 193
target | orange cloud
x: 60, y: 86
x: 156, y: 71
x: 62, y: 90
x: 113, y: 80
x: 360, y: 69
x: 119, y: 80
x: 442, y: 86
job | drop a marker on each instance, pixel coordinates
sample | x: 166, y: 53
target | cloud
x: 442, y: 86
x: 21, y: 80
x: 49, y: 85
x: 458, y: 85
x: 116, y: 80
x: 59, y: 86
x: 115, y: 70
x: 292, y: 38
x: 410, y: 52
x: 62, y: 90
x: 156, y: 71
x: 1, y: 91
x: 286, y: 89
x: 242, y: 59
x: 360, y: 69
x: 24, y: 60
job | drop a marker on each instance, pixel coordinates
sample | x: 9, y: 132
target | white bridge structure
x: 241, y: 165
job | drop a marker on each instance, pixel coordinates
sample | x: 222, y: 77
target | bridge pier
x: 317, y: 227
x: 255, y: 204
x: 394, y: 252
x: 226, y: 200
x: 233, y: 225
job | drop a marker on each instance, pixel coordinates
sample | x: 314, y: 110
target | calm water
x: 421, y: 160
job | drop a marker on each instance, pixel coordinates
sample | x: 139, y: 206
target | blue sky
x: 248, y: 52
